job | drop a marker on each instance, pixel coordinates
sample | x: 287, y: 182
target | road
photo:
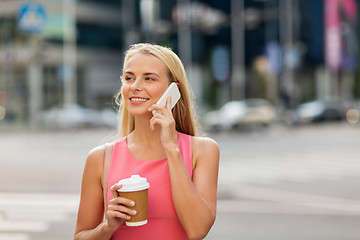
x: 289, y: 184
x: 299, y: 183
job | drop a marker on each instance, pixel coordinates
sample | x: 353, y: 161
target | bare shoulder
x: 96, y: 155
x: 201, y: 142
x: 95, y: 161
x: 205, y: 147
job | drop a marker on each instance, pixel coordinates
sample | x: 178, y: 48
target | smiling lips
x: 138, y: 100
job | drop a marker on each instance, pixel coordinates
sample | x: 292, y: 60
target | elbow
x: 76, y: 237
x: 198, y: 235
x: 200, y: 232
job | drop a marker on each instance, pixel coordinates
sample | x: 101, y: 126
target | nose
x: 136, y: 85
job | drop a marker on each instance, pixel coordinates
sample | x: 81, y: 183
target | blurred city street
x: 280, y: 183
x: 276, y: 83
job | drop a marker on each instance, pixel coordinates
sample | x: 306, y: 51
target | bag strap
x: 107, y: 160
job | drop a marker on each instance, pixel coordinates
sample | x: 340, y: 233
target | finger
x: 153, y: 123
x: 163, y: 123
x: 114, y: 190
x: 157, y: 109
x: 123, y: 209
x: 162, y: 111
x: 157, y: 119
x: 122, y: 201
x: 117, y: 214
x: 168, y: 103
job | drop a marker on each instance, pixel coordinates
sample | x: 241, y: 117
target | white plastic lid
x: 134, y: 183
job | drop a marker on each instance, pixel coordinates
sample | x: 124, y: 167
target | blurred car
x: 71, y: 116
x: 321, y: 111
x: 241, y: 113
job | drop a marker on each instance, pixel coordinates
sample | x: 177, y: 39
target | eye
x: 150, y: 78
x: 128, y: 78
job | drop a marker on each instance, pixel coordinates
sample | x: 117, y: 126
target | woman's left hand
x: 166, y: 122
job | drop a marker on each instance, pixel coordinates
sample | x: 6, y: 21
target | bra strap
x: 107, y: 160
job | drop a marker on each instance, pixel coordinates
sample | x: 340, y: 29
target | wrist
x: 172, y: 150
x: 106, y: 229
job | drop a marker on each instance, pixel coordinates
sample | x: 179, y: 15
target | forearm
x: 193, y: 210
x: 101, y: 232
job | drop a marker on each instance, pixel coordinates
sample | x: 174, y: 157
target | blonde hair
x: 182, y: 112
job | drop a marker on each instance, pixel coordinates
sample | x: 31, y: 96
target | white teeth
x: 138, y: 99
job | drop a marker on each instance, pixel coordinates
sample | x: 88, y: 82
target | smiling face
x: 145, y: 79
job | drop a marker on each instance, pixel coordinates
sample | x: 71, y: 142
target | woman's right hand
x: 118, y: 209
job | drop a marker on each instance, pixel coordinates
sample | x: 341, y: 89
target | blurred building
x: 75, y: 58
x: 232, y: 49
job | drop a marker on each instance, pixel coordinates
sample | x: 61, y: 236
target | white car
x: 71, y: 116
x: 241, y: 113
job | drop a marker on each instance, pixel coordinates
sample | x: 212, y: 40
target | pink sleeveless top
x: 163, y: 222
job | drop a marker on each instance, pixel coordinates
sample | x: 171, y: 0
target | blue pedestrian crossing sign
x: 31, y: 18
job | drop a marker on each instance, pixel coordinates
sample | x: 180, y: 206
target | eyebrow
x: 145, y: 74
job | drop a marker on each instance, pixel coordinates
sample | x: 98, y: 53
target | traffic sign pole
x: 32, y: 20
x: 35, y: 82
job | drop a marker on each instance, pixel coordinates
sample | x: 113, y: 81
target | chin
x: 139, y: 113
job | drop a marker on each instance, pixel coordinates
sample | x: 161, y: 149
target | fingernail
x: 128, y: 217
x: 132, y: 203
x: 133, y: 212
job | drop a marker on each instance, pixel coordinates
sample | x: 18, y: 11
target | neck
x: 142, y: 133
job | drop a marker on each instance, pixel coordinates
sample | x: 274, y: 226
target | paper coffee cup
x: 136, y: 188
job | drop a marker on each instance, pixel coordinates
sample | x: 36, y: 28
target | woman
x: 182, y: 169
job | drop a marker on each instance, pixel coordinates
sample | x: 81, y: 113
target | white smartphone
x: 173, y: 92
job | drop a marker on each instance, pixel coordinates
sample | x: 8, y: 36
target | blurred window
x: 99, y: 36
